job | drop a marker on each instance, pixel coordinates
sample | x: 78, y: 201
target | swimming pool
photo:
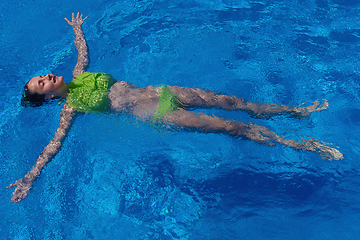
x: 119, y: 178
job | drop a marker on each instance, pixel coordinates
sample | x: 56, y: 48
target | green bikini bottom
x: 168, y: 103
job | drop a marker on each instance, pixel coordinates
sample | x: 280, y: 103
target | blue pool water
x: 118, y: 178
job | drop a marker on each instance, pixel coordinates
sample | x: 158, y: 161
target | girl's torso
x: 141, y: 102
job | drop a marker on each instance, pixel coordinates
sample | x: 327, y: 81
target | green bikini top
x: 88, y: 92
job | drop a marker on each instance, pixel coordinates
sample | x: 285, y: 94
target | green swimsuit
x: 168, y: 103
x: 88, y: 92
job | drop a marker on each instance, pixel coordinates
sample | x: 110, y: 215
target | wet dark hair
x: 32, y: 99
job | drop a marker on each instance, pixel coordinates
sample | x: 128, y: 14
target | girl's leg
x: 203, y: 123
x: 195, y: 97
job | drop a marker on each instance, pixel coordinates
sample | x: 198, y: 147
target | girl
x: 169, y: 105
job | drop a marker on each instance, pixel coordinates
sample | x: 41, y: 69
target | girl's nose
x: 47, y: 77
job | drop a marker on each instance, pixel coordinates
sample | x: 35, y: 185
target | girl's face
x: 50, y: 85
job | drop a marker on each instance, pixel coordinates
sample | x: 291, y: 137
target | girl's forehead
x: 35, y: 79
x: 33, y: 83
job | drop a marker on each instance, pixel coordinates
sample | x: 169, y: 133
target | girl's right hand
x: 22, y: 189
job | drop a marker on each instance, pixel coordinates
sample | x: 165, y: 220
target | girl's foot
x: 302, y: 112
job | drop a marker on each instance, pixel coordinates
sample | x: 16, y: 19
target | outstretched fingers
x: 19, y: 194
x: 82, y: 16
x: 315, y: 107
x: 22, y: 189
x: 76, y: 21
x: 324, y: 151
x: 72, y: 19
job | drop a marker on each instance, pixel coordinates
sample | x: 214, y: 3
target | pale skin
x: 143, y: 102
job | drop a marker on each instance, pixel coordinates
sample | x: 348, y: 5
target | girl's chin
x: 60, y: 78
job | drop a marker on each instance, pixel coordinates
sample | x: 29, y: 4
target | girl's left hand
x: 76, y: 22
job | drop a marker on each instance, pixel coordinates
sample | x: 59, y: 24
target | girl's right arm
x: 24, y: 184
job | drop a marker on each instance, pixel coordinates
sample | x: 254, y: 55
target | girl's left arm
x: 80, y: 43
